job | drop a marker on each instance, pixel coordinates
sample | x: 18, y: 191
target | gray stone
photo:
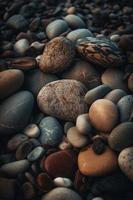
x: 15, y: 141
x: 35, y: 154
x: 17, y: 22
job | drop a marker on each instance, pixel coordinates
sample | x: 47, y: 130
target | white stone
x: 62, y: 182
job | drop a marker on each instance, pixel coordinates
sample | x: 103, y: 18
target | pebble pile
x: 66, y: 100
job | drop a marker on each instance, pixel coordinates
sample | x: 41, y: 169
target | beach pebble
x: 23, y: 63
x: 17, y: 22
x: 68, y: 125
x: 115, y: 38
x: 14, y: 168
x: 126, y: 42
x: 21, y: 46
x: 125, y: 160
x: 130, y: 82
x: 51, y: 131
x: 83, y: 124
x: 79, y: 33
x: 56, y: 28
x: 35, y: 154
x: 62, y: 182
x: 28, y: 191
x: 74, y: 21
x: 15, y: 141
x: 102, y: 52
x: 32, y: 131
x: 44, y: 182
x: 15, y: 121
x: 121, y: 136
x: 103, y: 115
x: 63, y: 99
x: 61, y: 164
x: 10, y: 81
x: 76, y: 139
x: 115, y: 95
x: 71, y: 10
x: 51, y: 61
x: 61, y: 193
x: 91, y: 164
x: 97, y: 198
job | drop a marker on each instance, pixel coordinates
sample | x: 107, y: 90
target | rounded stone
x: 78, y: 34
x: 51, y: 131
x: 56, y: 28
x: 21, y: 46
x: 92, y: 164
x: 32, y: 131
x: 15, y: 141
x: 74, y: 21
x: 130, y: 82
x: 35, y: 154
x: 83, y: 124
x: 50, y: 59
x: 61, y: 164
x: 17, y: 22
x: 115, y: 95
x: 63, y: 99
x: 115, y: 38
x: 76, y: 138
x: 96, y: 93
x: 61, y: 193
x: 125, y: 161
x: 28, y: 190
x: 97, y: 198
x: 68, y: 125
x: 83, y: 72
x: 62, y: 182
x: 125, y: 106
x: 126, y: 42
x: 44, y: 182
x: 102, y: 52
x: 71, y: 10
x: 14, y: 168
x: 121, y: 136
x: 103, y: 115
x: 10, y: 81
x: 15, y: 112
x: 114, y: 79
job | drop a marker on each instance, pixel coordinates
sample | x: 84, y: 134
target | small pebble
x: 74, y: 21
x: 28, y: 191
x: 21, y: 46
x: 32, y: 131
x: 44, y: 182
x: 17, y: 22
x: 79, y: 33
x: 62, y: 182
x: 15, y: 141
x: 35, y: 154
x: 83, y: 125
x: 115, y: 38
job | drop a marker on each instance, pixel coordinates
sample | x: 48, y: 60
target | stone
x: 115, y: 38
x: 44, y: 182
x: 51, y: 131
x: 78, y: 34
x: 63, y: 99
x: 121, y: 136
x: 10, y: 81
x: 56, y: 28
x: 17, y: 22
x: 130, y: 82
x: 76, y: 139
x: 15, y: 141
x: 83, y: 124
x: 35, y: 154
x: 21, y: 46
x: 126, y: 42
x: 68, y: 125
x: 115, y: 95
x: 96, y: 93
x: 74, y: 21
x: 61, y: 164
x: 51, y: 61
x: 103, y: 115
x: 15, y: 112
x: 71, y: 10
x: 92, y: 164
x: 32, y: 131
x: 97, y: 198
x: 125, y: 161
x: 62, y: 182
x: 28, y: 191
x: 102, y: 52
x: 83, y: 72
x: 14, y: 168
x: 61, y: 193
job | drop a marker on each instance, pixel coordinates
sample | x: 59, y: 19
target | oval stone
x: 79, y: 33
x: 83, y: 125
x: 102, y: 52
x: 115, y: 95
x: 63, y: 99
x: 74, y: 21
x: 10, y: 81
x: 15, y: 112
x: 15, y: 141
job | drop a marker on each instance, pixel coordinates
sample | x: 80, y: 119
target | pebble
x: 77, y: 139
x: 96, y: 93
x: 32, y: 131
x: 17, y: 22
x: 28, y: 191
x: 63, y: 99
x: 78, y: 34
x: 101, y: 52
x: 51, y: 131
x: 125, y: 161
x: 10, y: 81
x: 71, y: 10
x: 97, y: 198
x: 121, y: 136
x: 62, y: 182
x: 130, y: 82
x: 44, y: 182
x: 56, y: 28
x: 61, y: 193
x: 51, y: 62
x: 91, y: 164
x: 115, y: 38
x: 103, y: 115
x: 21, y: 46
x: 16, y: 120
x: 37, y: 45
x: 15, y: 141
x: 115, y: 95
x: 35, y: 154
x: 83, y: 124
x: 74, y: 21
x: 84, y: 72
x: 126, y: 42
x: 61, y: 164
x: 68, y: 125
x: 14, y: 168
